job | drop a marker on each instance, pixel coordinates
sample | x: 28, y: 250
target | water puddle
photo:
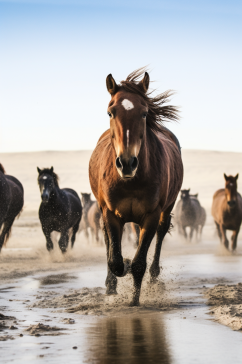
x: 180, y: 333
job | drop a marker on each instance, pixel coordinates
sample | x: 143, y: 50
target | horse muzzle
x: 45, y: 197
x: 231, y: 203
x: 127, y: 167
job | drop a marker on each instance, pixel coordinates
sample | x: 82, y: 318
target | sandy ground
x: 227, y: 304
x: 25, y: 254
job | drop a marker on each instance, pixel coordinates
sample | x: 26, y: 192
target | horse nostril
x: 134, y: 163
x: 118, y: 163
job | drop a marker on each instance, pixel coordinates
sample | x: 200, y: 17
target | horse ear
x: 145, y: 82
x: 39, y: 170
x: 237, y: 176
x: 225, y: 177
x: 188, y: 190
x: 111, y: 84
x: 52, y: 169
x: 196, y: 195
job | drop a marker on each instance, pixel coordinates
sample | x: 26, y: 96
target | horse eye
x: 144, y: 115
x: 109, y: 114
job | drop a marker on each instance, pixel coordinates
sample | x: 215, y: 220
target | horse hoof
x: 134, y: 303
x: 111, y: 291
x: 153, y: 280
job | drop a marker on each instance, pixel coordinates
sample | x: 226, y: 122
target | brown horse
x: 227, y: 210
x: 135, y: 174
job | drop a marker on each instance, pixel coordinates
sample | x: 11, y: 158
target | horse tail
x: 7, y: 236
x: 20, y: 212
x: 2, y: 169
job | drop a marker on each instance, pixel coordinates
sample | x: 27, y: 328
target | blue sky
x: 55, y: 56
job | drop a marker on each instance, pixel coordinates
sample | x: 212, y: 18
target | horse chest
x: 231, y: 218
x: 132, y: 208
x: 54, y: 215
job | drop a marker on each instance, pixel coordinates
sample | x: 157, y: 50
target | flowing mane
x: 53, y: 174
x: 158, y: 112
x: 2, y: 169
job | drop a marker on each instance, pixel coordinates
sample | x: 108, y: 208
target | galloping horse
x: 60, y: 209
x: 189, y: 213
x: 227, y: 210
x: 11, y: 203
x: 87, y: 202
x: 135, y: 174
x: 93, y: 218
x: 201, y: 217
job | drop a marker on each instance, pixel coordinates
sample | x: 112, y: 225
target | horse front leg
x: 191, y: 233
x: 63, y: 241
x: 111, y: 280
x: 117, y: 266
x: 234, y: 238
x: 138, y: 266
x: 184, y: 232
x: 49, y: 243
x: 114, y: 226
x: 218, y: 231
x: 163, y: 228
x: 224, y: 237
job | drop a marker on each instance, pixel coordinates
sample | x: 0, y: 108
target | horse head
x: 127, y: 111
x: 185, y: 198
x: 185, y: 195
x: 231, y: 189
x: 47, y: 181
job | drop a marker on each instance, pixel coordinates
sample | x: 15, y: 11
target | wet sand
x: 58, y: 310
x: 58, y: 304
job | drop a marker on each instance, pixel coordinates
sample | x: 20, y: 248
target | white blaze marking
x: 127, y: 138
x: 128, y: 105
x: 44, y: 177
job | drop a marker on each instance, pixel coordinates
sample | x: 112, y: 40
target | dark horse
x: 189, y: 213
x: 227, y: 210
x: 87, y: 203
x: 93, y: 217
x: 135, y: 174
x: 11, y: 203
x: 60, y: 209
x: 201, y: 217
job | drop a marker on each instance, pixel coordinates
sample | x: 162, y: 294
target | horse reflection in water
x: 128, y: 339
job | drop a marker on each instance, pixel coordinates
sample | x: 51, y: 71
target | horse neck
x: 2, y: 182
x: 145, y: 152
x: 152, y: 148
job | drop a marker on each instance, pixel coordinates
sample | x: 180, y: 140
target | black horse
x: 60, y: 209
x: 11, y: 203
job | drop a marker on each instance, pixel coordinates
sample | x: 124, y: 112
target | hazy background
x: 55, y: 56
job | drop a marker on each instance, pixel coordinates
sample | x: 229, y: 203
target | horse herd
x: 135, y: 173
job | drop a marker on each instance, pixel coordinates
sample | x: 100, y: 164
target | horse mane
x: 52, y: 173
x: 2, y: 169
x: 158, y: 112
